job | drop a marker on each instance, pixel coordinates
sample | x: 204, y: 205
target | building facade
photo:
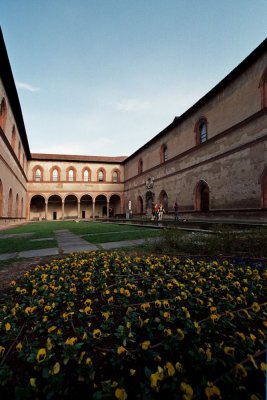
x: 211, y: 160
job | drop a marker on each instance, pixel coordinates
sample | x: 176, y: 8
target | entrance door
x: 54, y: 215
x: 83, y: 214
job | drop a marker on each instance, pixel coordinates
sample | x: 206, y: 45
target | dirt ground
x: 15, y: 269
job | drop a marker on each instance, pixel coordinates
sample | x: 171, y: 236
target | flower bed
x: 102, y: 325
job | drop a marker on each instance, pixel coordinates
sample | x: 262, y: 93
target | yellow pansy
x: 187, y: 390
x: 51, y: 329
x: 212, y: 391
x: 229, y: 350
x: 7, y: 326
x: 121, y: 350
x: 105, y: 315
x: 19, y: 347
x: 2, y: 350
x: 180, y: 334
x: 145, y: 345
x: 56, y: 368
x: 255, y: 307
x: 33, y: 383
x: 41, y: 355
x: 97, y: 333
x: 120, y: 394
x: 170, y: 368
x: 71, y: 341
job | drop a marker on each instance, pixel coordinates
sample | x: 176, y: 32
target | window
x: 3, y: 113
x: 71, y: 175
x: 140, y: 166
x: 13, y: 138
x: 55, y: 175
x: 115, y: 177
x: 86, y: 175
x: 263, y: 88
x: 163, y: 153
x: 100, y: 176
x: 201, y: 129
x: 37, y: 175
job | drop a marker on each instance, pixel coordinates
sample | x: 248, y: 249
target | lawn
x: 91, y: 232
x: 113, y: 326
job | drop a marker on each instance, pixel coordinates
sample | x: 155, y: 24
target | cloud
x: 133, y: 105
x: 26, y: 86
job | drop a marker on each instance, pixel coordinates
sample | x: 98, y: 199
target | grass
x: 92, y: 232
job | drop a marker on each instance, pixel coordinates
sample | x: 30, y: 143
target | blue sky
x: 102, y: 77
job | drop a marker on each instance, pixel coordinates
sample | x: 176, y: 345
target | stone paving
x: 68, y: 242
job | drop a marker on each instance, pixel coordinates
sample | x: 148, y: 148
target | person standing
x: 160, y: 212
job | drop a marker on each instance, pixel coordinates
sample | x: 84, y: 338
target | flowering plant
x: 106, y: 325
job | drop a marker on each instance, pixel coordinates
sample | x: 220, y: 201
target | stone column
x: 46, y: 210
x: 93, y: 209
x: 79, y: 209
x: 107, y: 208
x: 63, y: 210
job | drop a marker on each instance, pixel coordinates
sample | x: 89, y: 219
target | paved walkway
x: 68, y: 242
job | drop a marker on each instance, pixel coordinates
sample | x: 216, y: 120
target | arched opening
x: 17, y: 206
x: 201, y: 129
x: 140, y: 205
x: 10, y: 203
x: 71, y: 207
x: 114, y: 205
x: 71, y: 174
x: 149, y: 201
x: 54, y: 207
x: 100, y: 203
x: 55, y: 174
x: 37, y: 208
x: 163, y: 199
x: 1, y: 199
x: 163, y: 153
x: 202, y: 202
x: 264, y: 188
x: 37, y: 174
x: 86, y: 205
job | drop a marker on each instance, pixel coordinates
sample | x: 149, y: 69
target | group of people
x: 157, y: 212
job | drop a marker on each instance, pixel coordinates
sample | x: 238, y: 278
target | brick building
x: 212, y: 159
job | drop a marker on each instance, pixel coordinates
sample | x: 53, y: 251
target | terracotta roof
x: 77, y: 158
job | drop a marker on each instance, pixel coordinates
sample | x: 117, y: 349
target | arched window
x: 13, y: 138
x: 70, y: 175
x: 201, y: 129
x: 19, y: 151
x: 263, y: 88
x: 37, y: 175
x: 86, y: 175
x: 3, y: 114
x: 10, y: 203
x: 55, y: 175
x: 163, y: 153
x: 115, y: 176
x: 140, y: 166
x: 100, y: 176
